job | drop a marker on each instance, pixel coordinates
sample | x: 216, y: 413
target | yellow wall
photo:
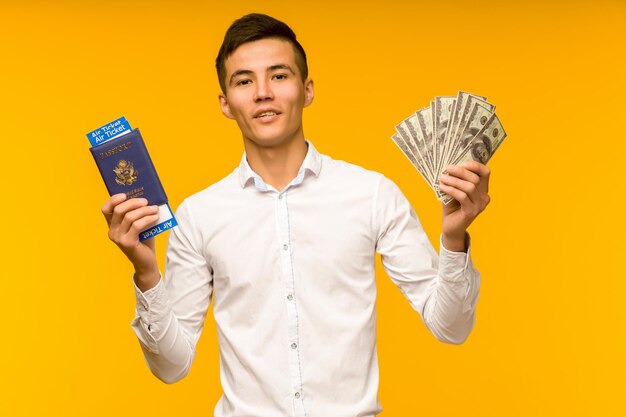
x: 550, y: 337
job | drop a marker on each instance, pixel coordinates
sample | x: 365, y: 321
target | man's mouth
x: 266, y: 114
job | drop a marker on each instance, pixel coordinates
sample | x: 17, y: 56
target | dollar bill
x: 424, y: 121
x: 417, y: 139
x: 441, y: 117
x: 476, y: 119
x: 398, y: 140
x: 461, y: 108
x: 408, y: 139
x: 481, y: 147
x: 452, y: 130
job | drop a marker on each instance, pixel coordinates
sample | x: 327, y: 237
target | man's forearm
x: 166, y: 346
x: 449, y: 315
x: 450, y: 310
x: 147, y: 279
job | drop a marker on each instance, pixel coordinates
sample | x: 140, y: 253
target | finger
x: 463, y: 173
x: 135, y: 215
x: 456, y: 193
x: 131, y: 238
x: 467, y: 187
x: 107, y: 208
x: 479, y: 174
x: 128, y: 233
x: 478, y: 168
x: 143, y: 223
x: 120, y: 210
x: 482, y: 171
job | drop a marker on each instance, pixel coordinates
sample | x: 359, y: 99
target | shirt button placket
x: 286, y: 250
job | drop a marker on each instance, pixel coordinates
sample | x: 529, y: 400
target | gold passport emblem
x: 125, y: 172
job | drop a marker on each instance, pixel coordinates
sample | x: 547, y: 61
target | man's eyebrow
x: 238, y: 73
x: 280, y: 66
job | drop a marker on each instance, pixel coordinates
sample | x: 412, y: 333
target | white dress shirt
x: 292, y: 276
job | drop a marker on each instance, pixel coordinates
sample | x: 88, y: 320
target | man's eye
x: 243, y: 82
x: 280, y: 76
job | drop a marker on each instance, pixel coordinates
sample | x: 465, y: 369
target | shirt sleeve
x: 170, y: 316
x: 442, y: 289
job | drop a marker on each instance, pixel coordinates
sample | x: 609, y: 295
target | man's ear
x: 308, y: 92
x: 224, y: 105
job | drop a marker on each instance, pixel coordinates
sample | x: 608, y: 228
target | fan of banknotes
x: 452, y: 130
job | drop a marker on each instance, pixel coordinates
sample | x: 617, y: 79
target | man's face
x: 265, y: 93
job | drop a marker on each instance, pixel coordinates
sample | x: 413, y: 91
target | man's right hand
x: 126, y: 218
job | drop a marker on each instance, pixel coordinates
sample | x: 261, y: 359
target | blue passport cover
x: 126, y: 167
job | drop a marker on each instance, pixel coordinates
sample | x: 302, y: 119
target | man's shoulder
x: 337, y: 167
x: 214, y: 192
x: 356, y: 177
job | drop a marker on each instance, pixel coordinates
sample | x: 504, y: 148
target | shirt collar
x: 312, y: 163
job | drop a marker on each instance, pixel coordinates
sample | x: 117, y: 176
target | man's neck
x: 279, y: 165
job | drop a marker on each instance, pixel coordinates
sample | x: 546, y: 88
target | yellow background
x: 550, y: 337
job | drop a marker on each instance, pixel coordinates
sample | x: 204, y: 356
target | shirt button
x: 290, y: 297
x: 280, y: 196
x: 285, y: 247
x: 297, y: 395
x: 293, y: 345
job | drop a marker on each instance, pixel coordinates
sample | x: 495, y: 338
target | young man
x: 286, y: 246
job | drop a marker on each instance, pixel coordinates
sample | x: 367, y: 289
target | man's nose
x: 263, y: 91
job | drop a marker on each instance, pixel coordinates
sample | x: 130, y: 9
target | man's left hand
x: 468, y: 184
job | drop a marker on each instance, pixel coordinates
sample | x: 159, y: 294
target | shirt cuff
x: 152, y: 309
x: 454, y: 266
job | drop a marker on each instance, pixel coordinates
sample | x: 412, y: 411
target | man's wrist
x: 454, y: 243
x: 146, y: 280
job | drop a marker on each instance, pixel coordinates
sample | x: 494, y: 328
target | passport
x: 125, y: 166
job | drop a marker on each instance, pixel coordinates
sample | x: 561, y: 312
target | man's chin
x: 269, y: 142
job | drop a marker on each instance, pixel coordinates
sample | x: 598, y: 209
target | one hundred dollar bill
x: 452, y: 130
x: 482, y: 146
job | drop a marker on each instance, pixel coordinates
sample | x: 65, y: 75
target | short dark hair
x: 254, y: 27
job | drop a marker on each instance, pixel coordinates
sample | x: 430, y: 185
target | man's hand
x: 126, y: 218
x: 468, y: 184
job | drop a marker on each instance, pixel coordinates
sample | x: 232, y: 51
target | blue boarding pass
x: 126, y: 167
x: 109, y: 131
